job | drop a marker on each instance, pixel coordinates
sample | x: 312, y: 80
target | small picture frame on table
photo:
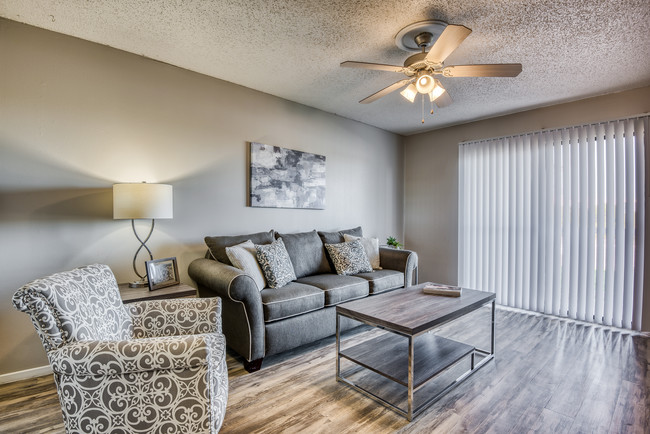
x: 162, y: 273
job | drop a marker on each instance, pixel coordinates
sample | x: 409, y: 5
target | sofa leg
x: 253, y: 365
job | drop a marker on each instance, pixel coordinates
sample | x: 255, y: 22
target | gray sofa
x: 261, y: 323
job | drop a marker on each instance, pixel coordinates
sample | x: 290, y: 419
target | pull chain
x: 422, y: 108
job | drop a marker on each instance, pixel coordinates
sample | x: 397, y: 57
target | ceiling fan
x: 421, y: 68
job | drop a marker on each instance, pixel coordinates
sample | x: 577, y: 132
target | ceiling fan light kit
x: 441, y: 39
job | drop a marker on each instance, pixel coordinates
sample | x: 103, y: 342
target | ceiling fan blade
x: 447, y: 42
x: 495, y: 70
x: 385, y: 91
x: 444, y: 99
x: 376, y: 66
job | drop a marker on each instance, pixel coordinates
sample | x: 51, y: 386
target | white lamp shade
x: 425, y: 83
x: 143, y: 201
x: 436, y: 92
x: 409, y: 92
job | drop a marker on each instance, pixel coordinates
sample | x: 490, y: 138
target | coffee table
x: 409, y: 355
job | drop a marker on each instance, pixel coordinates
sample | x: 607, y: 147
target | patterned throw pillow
x: 275, y: 263
x: 371, y: 246
x: 244, y: 257
x: 349, y: 258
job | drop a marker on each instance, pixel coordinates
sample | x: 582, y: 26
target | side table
x: 129, y: 295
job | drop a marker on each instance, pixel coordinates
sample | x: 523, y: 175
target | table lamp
x: 142, y: 201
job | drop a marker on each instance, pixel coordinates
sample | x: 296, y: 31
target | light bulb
x: 409, y: 92
x: 425, y: 83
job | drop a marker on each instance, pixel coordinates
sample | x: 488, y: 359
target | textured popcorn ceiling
x: 570, y: 49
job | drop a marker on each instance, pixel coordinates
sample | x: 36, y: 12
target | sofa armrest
x: 100, y: 357
x: 226, y: 281
x: 180, y: 316
x: 405, y: 261
x: 243, y: 316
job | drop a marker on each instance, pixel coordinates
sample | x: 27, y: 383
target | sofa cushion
x: 275, y: 263
x: 371, y: 246
x: 307, y: 253
x: 337, y: 237
x: 349, y: 258
x: 217, y: 245
x: 244, y: 257
x: 337, y: 288
x: 291, y: 300
x: 383, y: 280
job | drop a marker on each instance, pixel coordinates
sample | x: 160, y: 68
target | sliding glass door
x: 553, y: 221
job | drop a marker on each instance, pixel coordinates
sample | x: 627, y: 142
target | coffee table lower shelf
x: 432, y: 356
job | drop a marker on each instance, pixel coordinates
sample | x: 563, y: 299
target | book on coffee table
x: 446, y: 290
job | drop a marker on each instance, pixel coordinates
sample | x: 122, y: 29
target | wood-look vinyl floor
x: 550, y: 375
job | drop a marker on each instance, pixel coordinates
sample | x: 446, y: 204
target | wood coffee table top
x: 410, y: 311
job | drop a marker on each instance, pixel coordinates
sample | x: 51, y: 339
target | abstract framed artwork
x: 284, y: 178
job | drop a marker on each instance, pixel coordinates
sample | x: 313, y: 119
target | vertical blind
x: 554, y: 221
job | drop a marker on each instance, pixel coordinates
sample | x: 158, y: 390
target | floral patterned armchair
x: 151, y: 366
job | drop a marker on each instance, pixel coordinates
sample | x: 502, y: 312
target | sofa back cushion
x: 307, y: 253
x: 337, y: 237
x: 217, y: 245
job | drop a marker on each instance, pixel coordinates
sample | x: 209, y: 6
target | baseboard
x: 24, y: 375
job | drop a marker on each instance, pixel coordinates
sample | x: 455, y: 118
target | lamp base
x: 138, y: 284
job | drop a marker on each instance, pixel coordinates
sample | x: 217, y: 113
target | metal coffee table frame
x: 412, y: 411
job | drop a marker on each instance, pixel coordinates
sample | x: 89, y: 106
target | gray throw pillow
x: 349, y: 258
x: 275, y: 263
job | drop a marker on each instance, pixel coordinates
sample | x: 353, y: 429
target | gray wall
x: 431, y: 174
x: 76, y: 117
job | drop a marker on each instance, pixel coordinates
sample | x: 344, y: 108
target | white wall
x: 76, y: 117
x: 431, y: 174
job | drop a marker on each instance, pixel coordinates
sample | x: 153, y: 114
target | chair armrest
x: 179, y: 316
x: 94, y: 358
x: 405, y: 261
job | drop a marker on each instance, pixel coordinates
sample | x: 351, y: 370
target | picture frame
x: 286, y: 178
x: 162, y: 273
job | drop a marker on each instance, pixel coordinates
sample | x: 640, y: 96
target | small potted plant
x: 391, y: 241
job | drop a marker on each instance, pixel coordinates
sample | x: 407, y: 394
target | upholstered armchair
x: 146, y: 367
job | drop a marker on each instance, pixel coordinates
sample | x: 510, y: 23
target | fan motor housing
x: 416, y: 61
x: 423, y: 39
